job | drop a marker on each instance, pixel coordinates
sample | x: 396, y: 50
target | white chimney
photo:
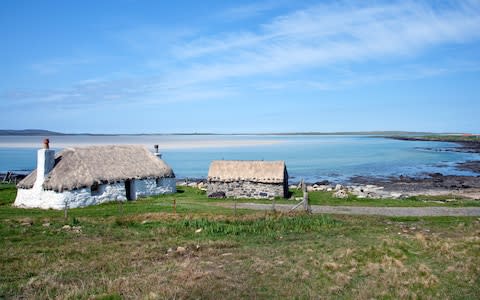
x: 157, y: 154
x: 45, y: 162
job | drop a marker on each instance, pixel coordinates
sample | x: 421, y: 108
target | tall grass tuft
x: 268, y: 226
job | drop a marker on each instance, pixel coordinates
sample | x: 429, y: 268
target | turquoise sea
x: 313, y: 158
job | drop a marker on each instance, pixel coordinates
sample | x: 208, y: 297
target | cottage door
x: 130, y: 189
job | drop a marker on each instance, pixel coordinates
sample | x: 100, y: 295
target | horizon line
x: 39, y: 132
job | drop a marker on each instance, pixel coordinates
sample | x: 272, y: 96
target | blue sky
x: 240, y: 66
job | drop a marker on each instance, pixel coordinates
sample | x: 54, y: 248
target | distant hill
x: 34, y: 132
x: 380, y: 133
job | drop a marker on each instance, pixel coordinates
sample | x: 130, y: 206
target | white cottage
x: 83, y: 176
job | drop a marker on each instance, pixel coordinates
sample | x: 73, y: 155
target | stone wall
x: 247, y: 189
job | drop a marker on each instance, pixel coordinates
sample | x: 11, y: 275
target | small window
x: 95, y: 189
x: 159, y: 182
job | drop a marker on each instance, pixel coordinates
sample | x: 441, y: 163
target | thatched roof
x: 242, y: 170
x: 83, y: 166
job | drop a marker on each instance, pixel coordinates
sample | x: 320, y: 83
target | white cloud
x: 57, y: 65
x: 250, y: 10
x: 337, y: 33
x: 280, y: 53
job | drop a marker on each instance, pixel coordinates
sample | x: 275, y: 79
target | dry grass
x: 159, y: 254
x: 366, y: 265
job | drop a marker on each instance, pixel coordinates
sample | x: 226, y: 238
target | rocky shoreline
x: 431, y: 184
x: 434, y: 184
x: 472, y: 165
x: 405, y: 186
x: 464, y: 145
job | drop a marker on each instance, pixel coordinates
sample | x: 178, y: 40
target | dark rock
x: 413, y: 184
x: 217, y: 195
x: 473, y: 166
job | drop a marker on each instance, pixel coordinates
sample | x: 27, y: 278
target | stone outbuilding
x: 247, y: 179
x: 82, y: 176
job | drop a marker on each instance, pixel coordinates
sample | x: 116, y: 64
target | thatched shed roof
x: 83, y: 166
x: 243, y: 170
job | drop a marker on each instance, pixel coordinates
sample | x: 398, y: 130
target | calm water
x: 311, y: 157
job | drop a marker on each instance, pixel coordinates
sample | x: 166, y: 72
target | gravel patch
x: 378, y: 211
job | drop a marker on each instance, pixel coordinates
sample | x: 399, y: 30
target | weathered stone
x: 396, y: 195
x: 323, y: 187
x: 77, y: 229
x: 217, y: 195
x: 246, y: 189
x: 338, y: 187
x: 340, y: 194
x: 26, y: 222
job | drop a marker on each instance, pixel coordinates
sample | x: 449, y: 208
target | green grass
x: 7, y: 193
x: 326, y: 198
x: 442, y: 138
x: 129, y: 251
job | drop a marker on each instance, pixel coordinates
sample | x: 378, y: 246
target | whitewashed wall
x: 38, y: 198
x: 148, y: 187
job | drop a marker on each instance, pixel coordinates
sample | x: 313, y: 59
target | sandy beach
x: 163, y: 141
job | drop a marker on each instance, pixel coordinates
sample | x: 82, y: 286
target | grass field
x: 144, y: 249
x: 454, y: 138
x: 326, y: 198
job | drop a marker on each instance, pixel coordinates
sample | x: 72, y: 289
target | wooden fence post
x: 65, y: 210
x: 306, y: 206
x: 235, y: 207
